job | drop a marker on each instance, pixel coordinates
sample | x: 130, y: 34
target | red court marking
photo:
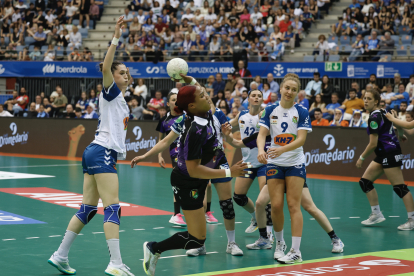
x: 74, y: 200
x: 360, y: 266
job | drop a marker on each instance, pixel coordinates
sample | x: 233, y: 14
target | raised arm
x: 399, y: 123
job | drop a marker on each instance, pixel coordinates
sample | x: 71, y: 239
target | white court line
x: 80, y: 234
x: 55, y: 236
x: 138, y: 229
x: 238, y: 222
x: 312, y: 219
x: 120, y: 231
x: 30, y: 238
x: 393, y: 216
x: 98, y: 232
x: 9, y: 239
x: 335, y: 218
x: 354, y: 217
x: 177, y: 256
x: 158, y: 228
x: 35, y: 166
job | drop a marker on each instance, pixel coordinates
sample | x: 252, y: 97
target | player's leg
x: 241, y: 188
x: 396, y: 178
x: 261, y: 177
x: 209, y: 215
x: 320, y: 217
x: 373, y: 172
x: 177, y: 218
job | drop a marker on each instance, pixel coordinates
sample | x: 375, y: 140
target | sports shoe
x: 121, y: 270
x: 291, y: 257
x: 270, y: 236
x: 373, y: 219
x: 61, y: 264
x: 338, y: 245
x: 210, y: 218
x: 261, y: 243
x: 409, y: 225
x: 252, y: 227
x: 280, y: 250
x: 196, y: 252
x: 178, y: 220
x: 150, y: 259
x: 234, y: 249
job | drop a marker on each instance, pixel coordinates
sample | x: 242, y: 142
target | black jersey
x: 164, y: 126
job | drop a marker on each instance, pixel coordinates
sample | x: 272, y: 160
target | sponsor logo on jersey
x: 242, y: 122
x: 264, y: 113
x: 126, y: 119
x: 271, y: 172
x: 274, y: 117
x: 194, y: 193
x: 179, y: 119
x: 295, y: 119
x: 285, y: 115
x: 284, y: 139
x: 373, y: 125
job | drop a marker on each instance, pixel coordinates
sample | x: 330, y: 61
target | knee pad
x: 191, y: 242
x: 112, y: 213
x: 241, y: 200
x: 366, y: 185
x: 227, y: 207
x: 401, y: 190
x: 269, y: 221
x: 86, y: 213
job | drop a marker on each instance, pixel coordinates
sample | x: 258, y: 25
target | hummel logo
x: 107, y: 152
x: 107, y: 162
x: 107, y: 157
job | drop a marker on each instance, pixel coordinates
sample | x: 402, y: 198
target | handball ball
x: 177, y: 66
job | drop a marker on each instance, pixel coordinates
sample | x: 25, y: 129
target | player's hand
x: 262, y: 157
x: 404, y: 138
x: 129, y: 77
x: 187, y: 79
x: 137, y: 159
x: 239, y: 169
x: 118, y: 27
x: 359, y: 163
x: 275, y: 152
x: 391, y: 116
x: 226, y: 129
x: 161, y: 162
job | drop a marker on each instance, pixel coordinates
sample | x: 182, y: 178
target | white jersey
x: 284, y: 125
x: 219, y: 118
x: 249, y: 125
x: 113, y: 121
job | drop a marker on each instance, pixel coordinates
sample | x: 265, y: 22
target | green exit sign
x: 333, y: 66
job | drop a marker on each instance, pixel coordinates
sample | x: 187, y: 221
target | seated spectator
x: 314, y: 86
x: 396, y: 85
x: 75, y: 38
x: 41, y: 112
x: 35, y: 54
x: 329, y: 110
x: 308, y: 19
x: 349, y: 105
x: 214, y: 49
x: 244, y: 72
x: 266, y: 92
x: 219, y: 97
x: 278, y: 50
x: 354, y: 5
x: 21, y: 101
x: 318, y: 103
x: 371, y: 48
x: 237, y: 103
x: 234, y: 112
x: 47, y: 107
x: 218, y: 84
x: 338, y: 119
x: 90, y: 112
x: 410, y: 86
x: 60, y: 102
x: 357, y: 48
x: 186, y: 46
x: 398, y: 98
x: 322, y: 47
x: 388, y: 94
x: 31, y: 113
x: 273, y: 99
x: 11, y: 53
x: 10, y: 102
x: 289, y: 39
x: 75, y: 55
x: 352, y: 27
x: 38, y: 102
x: 356, y: 120
x: 71, y: 11
x: 78, y: 113
x: 198, y: 49
x: 81, y: 104
x: 156, y: 102
x: 141, y: 91
x: 403, y: 111
x: 228, y: 97
x: 225, y: 47
x: 339, y: 28
x: 224, y: 107
x: 137, y: 110
x: 302, y: 99
x: 319, y: 121
x: 4, y: 113
x: 68, y: 113
x: 93, y: 98
x: 63, y: 38
x: 386, y: 46
x: 209, y: 86
x: 160, y: 27
x: 238, y: 89
x: 39, y: 36
x: 49, y: 53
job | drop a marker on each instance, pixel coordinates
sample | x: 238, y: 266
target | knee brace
x: 241, y: 200
x: 269, y: 221
x: 401, y: 190
x: 112, y: 213
x: 366, y: 185
x: 189, y: 241
x: 86, y: 213
x: 227, y: 207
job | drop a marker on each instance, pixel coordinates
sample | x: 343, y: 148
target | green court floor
x: 25, y: 248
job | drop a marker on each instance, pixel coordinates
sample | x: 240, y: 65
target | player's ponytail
x: 185, y: 97
x: 292, y: 77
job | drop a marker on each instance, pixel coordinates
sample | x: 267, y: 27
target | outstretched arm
x: 399, y: 123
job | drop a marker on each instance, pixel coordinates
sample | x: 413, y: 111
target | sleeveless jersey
x: 113, y: 121
x: 284, y: 125
x: 164, y: 126
x: 249, y: 125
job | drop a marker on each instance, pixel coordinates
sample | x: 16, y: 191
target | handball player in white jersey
x: 99, y: 166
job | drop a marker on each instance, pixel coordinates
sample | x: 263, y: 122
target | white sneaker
x: 338, y: 246
x: 270, y: 236
x: 409, y: 225
x: 291, y: 257
x: 150, y: 260
x: 261, y: 243
x: 61, y: 264
x: 121, y: 270
x: 252, y: 227
x: 280, y: 250
x: 196, y: 252
x: 234, y: 249
x: 79, y: 27
x: 374, y: 219
x: 87, y: 27
x: 177, y: 220
x: 292, y: 51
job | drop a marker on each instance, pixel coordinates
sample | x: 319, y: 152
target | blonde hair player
x: 288, y: 124
x: 99, y: 161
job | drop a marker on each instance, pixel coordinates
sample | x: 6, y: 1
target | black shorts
x: 189, y: 192
x: 389, y: 160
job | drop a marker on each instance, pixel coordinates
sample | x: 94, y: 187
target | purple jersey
x: 387, y: 139
x: 199, y: 141
x: 251, y: 141
x: 164, y: 126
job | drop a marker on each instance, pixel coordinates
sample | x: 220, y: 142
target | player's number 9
x: 284, y: 126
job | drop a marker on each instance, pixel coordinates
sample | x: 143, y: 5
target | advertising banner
x: 63, y: 69
x: 328, y: 150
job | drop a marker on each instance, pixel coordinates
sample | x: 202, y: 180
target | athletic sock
x: 231, y: 236
x: 253, y: 215
x: 263, y: 233
x: 114, y: 251
x: 180, y: 240
x: 376, y: 209
x: 332, y: 235
x: 269, y: 229
x: 208, y: 207
x: 268, y: 209
x: 296, y: 243
x: 67, y: 241
x: 279, y: 236
x: 410, y: 215
x: 176, y: 208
